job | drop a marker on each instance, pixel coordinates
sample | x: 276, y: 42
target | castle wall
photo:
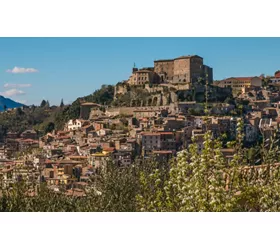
x: 182, y: 70
x: 196, y: 68
x: 165, y: 69
x: 120, y: 111
x: 187, y: 69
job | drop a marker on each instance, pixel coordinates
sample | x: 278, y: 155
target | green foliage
x: 265, y: 81
x: 43, y: 104
x: 19, y: 112
x: 230, y: 100
x: 207, y: 182
x: 105, y: 95
x: 112, y: 189
x: 138, y: 94
x: 19, y: 120
x: 49, y: 127
x: 61, y: 103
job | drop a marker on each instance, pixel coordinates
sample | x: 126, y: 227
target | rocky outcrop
x: 164, y: 94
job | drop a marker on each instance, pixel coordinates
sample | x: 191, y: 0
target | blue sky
x: 72, y: 67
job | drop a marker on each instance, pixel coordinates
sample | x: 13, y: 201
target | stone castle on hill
x: 167, y: 82
x: 184, y: 69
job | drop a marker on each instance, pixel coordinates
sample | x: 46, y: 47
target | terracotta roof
x: 163, y: 152
x: 166, y: 133
x: 63, y: 137
x: 247, y: 78
x: 228, y: 150
x: 90, y: 104
x: 131, y: 140
x: 77, y: 157
x: 81, y: 183
x: 244, y: 78
x: 150, y: 133
x: 111, y: 149
x: 7, y: 170
x: 75, y: 192
x: 61, y: 162
x: 30, y: 140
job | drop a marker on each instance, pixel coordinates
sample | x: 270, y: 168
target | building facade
x: 240, y: 85
x: 158, y: 141
x: 184, y: 69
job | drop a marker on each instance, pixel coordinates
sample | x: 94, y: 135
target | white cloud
x: 17, y: 85
x: 12, y: 92
x: 17, y: 70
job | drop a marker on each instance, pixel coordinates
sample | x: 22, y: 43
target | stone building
x: 142, y: 76
x: 29, y: 134
x: 184, y: 69
x: 158, y: 141
x: 164, y: 69
x: 86, y: 108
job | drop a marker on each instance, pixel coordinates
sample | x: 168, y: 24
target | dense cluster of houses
x: 72, y: 155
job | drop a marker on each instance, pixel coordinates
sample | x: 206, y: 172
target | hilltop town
x: 154, y: 114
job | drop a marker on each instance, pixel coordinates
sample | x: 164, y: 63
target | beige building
x: 140, y: 77
x: 240, y: 85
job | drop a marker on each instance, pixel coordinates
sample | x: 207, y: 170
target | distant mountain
x: 9, y: 103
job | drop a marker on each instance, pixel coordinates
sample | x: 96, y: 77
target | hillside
x: 45, y: 118
x: 6, y: 103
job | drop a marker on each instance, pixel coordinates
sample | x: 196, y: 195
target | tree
x: 43, y: 104
x: 49, y: 127
x: 19, y: 112
x: 61, y: 103
x: 265, y: 81
x: 230, y: 100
